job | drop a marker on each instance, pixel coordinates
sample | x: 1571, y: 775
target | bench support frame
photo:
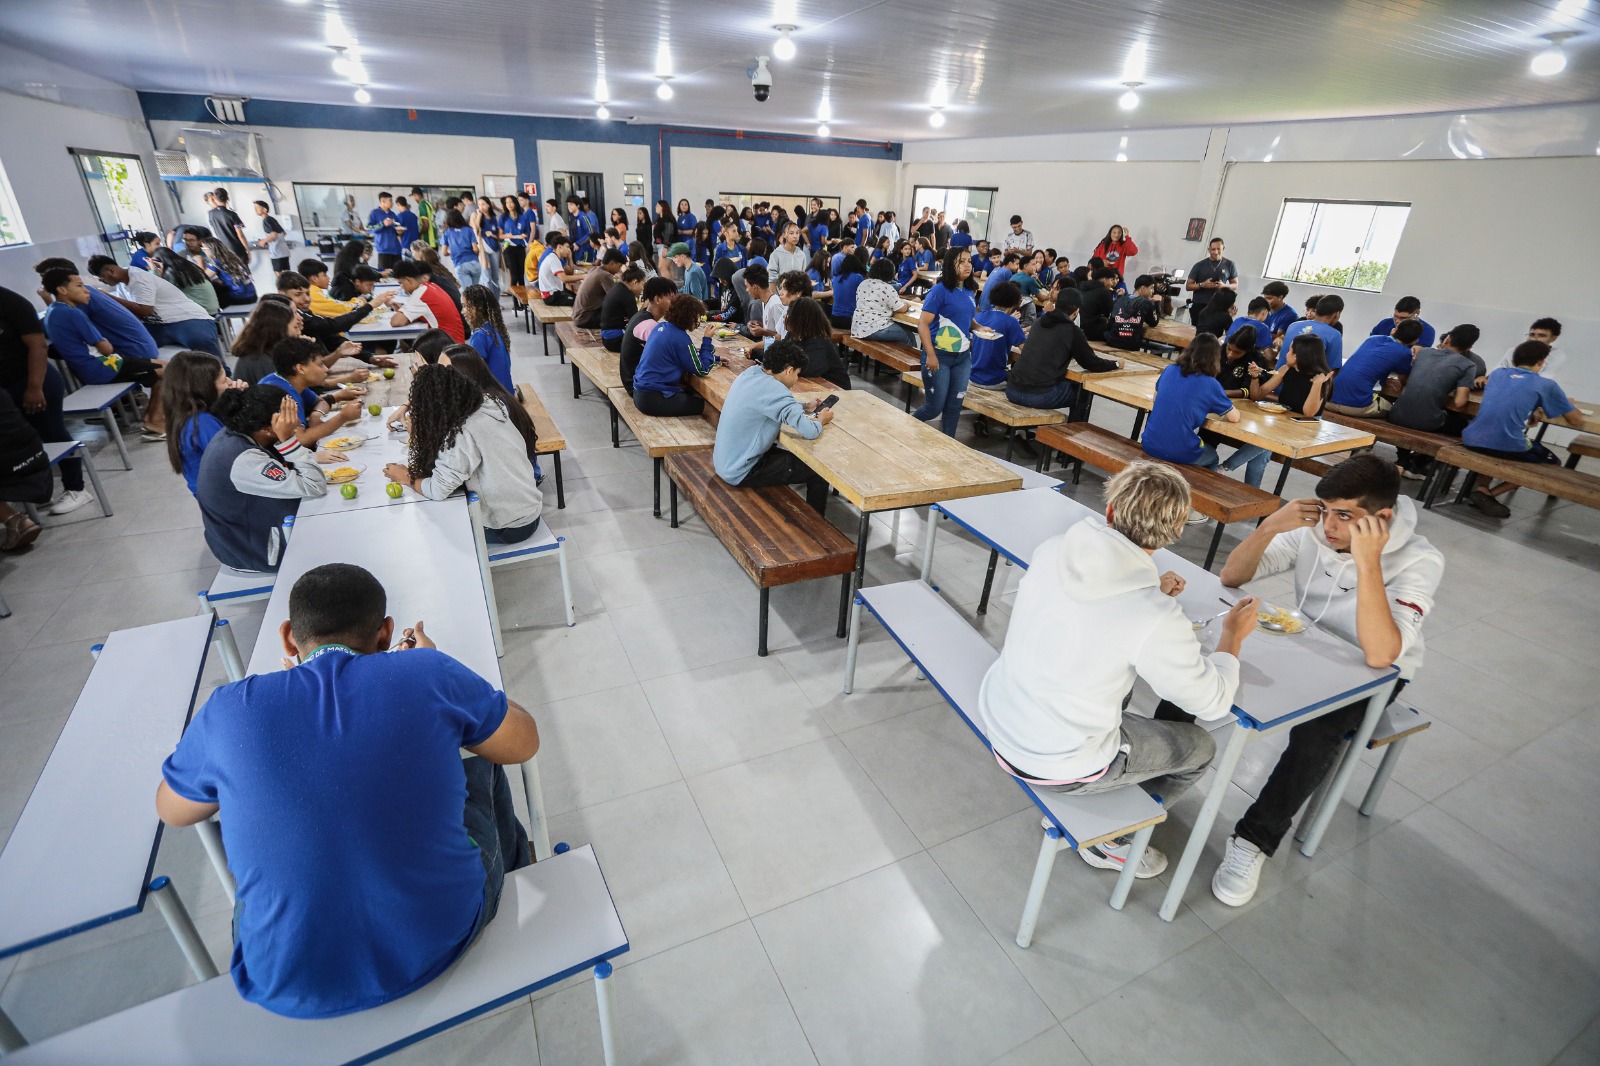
x: 183, y: 929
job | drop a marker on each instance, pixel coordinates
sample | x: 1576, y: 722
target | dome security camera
x: 761, y: 80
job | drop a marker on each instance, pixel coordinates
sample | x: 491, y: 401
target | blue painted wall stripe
x: 525, y: 131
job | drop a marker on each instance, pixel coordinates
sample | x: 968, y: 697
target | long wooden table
x: 1393, y: 385
x: 1277, y: 433
x: 881, y: 459
x: 1169, y: 332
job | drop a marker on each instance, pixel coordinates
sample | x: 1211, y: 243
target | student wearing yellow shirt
x: 324, y: 303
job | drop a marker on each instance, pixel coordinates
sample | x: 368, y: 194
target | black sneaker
x: 1488, y: 505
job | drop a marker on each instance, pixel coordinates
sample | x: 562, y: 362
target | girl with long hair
x: 487, y: 227
x: 664, y: 232
x: 669, y: 357
x: 639, y: 256
x: 1186, y: 395
x: 851, y: 273
x: 808, y: 326
x: 460, y: 242
x: 273, y: 319
x: 481, y: 310
x: 643, y: 231
x: 459, y: 437
x: 686, y: 220
x: 189, y: 279
x: 465, y: 358
x: 1116, y: 248
x: 350, y: 255
x: 190, y: 387
x: 945, y: 330
x: 514, y: 227
x: 1304, y: 380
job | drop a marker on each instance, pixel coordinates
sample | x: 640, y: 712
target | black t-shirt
x: 1221, y: 270
x: 632, y: 348
x: 1294, y: 389
x: 1131, y: 315
x: 822, y: 361
x: 223, y: 220
x: 1235, y: 373
x: 1213, y: 320
x: 925, y: 229
x: 944, y: 233
x: 1095, y: 310
x: 617, y: 307
x: 18, y: 321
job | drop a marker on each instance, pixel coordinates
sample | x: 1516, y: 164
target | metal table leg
x: 1283, y: 477
x: 1202, y: 826
x: 863, y: 530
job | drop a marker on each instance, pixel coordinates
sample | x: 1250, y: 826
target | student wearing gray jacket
x: 459, y: 438
x: 758, y: 406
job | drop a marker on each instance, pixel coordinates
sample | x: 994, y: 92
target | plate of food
x: 724, y: 333
x: 343, y: 444
x: 984, y: 333
x: 339, y: 475
x: 374, y: 376
x: 1283, y: 620
x: 1270, y: 407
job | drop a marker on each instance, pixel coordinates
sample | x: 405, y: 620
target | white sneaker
x: 1239, y: 874
x: 1113, y: 855
x: 1195, y: 518
x: 71, y: 501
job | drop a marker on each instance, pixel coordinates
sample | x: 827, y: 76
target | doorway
x: 566, y: 182
x: 119, y: 196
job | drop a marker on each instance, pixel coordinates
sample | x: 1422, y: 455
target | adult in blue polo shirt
x: 1407, y: 309
x: 1368, y: 366
x: 1327, y: 312
x: 369, y: 855
x: 384, y: 225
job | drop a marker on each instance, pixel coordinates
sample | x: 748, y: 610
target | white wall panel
x: 609, y: 160
x: 698, y: 173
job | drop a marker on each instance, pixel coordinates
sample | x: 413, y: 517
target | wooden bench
x: 897, y: 357
x: 602, y: 368
x: 993, y: 405
x: 1552, y: 480
x: 1215, y: 494
x: 770, y: 532
x: 569, y: 335
x: 551, y: 442
x: 955, y: 657
x: 1581, y: 446
x: 519, y: 304
x: 1420, y: 441
x: 98, y: 791
x: 555, y: 919
x: 546, y: 317
x: 659, y: 437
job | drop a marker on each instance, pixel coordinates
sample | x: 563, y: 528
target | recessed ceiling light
x: 936, y: 120
x: 341, y: 60
x: 822, y: 130
x: 602, y: 113
x: 1130, y: 99
x: 1552, y: 60
x: 664, y: 90
x: 362, y: 96
x: 783, y: 48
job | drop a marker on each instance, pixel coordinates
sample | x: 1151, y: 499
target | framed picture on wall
x: 498, y: 185
x: 1197, y: 229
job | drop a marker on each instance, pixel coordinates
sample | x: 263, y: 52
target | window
x: 12, y: 231
x: 974, y: 205
x: 119, y: 196
x: 321, y: 208
x: 1345, y: 244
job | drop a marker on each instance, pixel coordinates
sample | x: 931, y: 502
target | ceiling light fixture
x: 824, y: 110
x: 940, y: 96
x: 664, y: 90
x: 936, y: 120
x: 362, y: 96
x: 663, y: 60
x: 1130, y: 99
x: 1553, y: 60
x: 822, y: 130
x: 602, y: 112
x: 783, y: 48
x: 1133, y: 66
x: 602, y: 92
x: 341, y: 60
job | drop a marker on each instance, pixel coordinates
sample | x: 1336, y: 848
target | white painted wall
x: 698, y: 173
x: 610, y: 161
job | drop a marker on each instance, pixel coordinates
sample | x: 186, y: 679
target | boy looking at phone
x: 759, y: 404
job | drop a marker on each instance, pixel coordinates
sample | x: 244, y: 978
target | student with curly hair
x: 461, y: 437
x: 465, y: 358
x: 668, y: 358
x: 481, y: 309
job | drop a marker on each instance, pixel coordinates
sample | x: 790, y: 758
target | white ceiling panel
x: 1008, y: 67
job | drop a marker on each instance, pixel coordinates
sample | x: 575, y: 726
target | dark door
x: 587, y: 184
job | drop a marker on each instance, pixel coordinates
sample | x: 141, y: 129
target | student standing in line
x: 848, y: 274
x: 686, y: 219
x: 1322, y: 322
x: 460, y: 243
x: 1360, y: 572
x: 253, y: 475
x: 1356, y: 389
x: 486, y: 224
x: 693, y: 274
x: 194, y: 382
x: 461, y: 437
x: 1093, y: 615
x: 553, y: 222
x: 945, y: 331
x: 581, y: 231
x: 643, y: 228
x: 1038, y: 378
x: 664, y: 233
x: 1186, y: 394
x: 876, y: 304
x: 424, y: 209
x: 657, y: 296
x: 760, y: 403
x: 384, y: 225
x: 488, y: 332
x: 37, y: 390
x: 1116, y: 248
x: 619, y: 305
x: 1208, y: 278
x: 1436, y: 392
x: 668, y: 358
x: 91, y: 356
x: 593, y: 288
x: 1546, y: 331
x: 410, y: 223
x: 991, y: 356
x: 809, y: 328
x: 1406, y: 309
x: 426, y: 302
x: 227, y: 226
x: 1302, y: 381
x: 272, y: 238
x: 1510, y: 399
x: 309, y: 767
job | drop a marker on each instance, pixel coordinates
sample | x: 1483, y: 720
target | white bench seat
x: 236, y: 586
x: 97, y: 400
x: 543, y: 542
x: 955, y: 657
x: 556, y: 919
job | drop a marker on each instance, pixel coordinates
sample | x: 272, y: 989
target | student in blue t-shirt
x: 384, y: 225
x: 945, y: 332
x: 669, y: 359
x: 1279, y: 314
x: 1186, y: 394
x: 194, y: 381
x: 369, y: 854
x: 1406, y: 309
x: 1355, y: 387
x: 481, y: 310
x: 1326, y: 313
x: 1255, y: 316
x: 848, y: 274
x: 686, y: 219
x: 1510, y: 398
x: 410, y: 224
x: 298, y: 368
x: 817, y: 234
x: 93, y: 358
x: 991, y: 356
x: 1008, y: 269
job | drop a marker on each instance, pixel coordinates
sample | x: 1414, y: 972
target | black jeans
x: 1301, y: 768
x: 778, y: 467
x: 492, y: 826
x: 661, y: 406
x: 1416, y: 462
x: 49, y: 423
x: 564, y: 298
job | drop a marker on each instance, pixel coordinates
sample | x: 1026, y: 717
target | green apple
x: 348, y: 491
x: 388, y: 373
x: 374, y: 409
x: 394, y: 490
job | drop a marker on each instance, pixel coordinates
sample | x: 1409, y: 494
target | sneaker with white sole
x: 1195, y: 518
x: 71, y: 501
x: 1113, y: 855
x: 1239, y: 874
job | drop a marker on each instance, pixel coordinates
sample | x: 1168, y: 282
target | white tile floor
x: 808, y: 877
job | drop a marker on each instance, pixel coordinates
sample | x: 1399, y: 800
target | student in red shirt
x: 1116, y: 249
x: 425, y: 303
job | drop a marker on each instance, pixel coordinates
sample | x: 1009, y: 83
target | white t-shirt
x: 169, y: 301
x: 414, y: 307
x: 875, y: 304
x: 1017, y: 242
x: 772, y: 316
x: 550, y: 270
x: 1552, y: 362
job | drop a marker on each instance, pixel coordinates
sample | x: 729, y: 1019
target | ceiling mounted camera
x: 760, y: 80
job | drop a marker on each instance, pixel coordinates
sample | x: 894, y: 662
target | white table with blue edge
x: 1283, y: 680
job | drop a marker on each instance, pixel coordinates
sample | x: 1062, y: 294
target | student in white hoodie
x: 1092, y: 615
x: 461, y: 437
x: 1360, y: 571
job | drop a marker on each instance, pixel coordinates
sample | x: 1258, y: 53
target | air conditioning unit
x: 172, y: 164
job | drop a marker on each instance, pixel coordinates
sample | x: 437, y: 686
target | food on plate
x: 1270, y: 407
x: 343, y: 444
x: 1280, y: 620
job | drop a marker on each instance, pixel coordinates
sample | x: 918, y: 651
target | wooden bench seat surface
x: 549, y: 434
x: 602, y: 368
x: 1584, y: 445
x: 573, y: 336
x: 1416, y: 440
x: 1216, y: 495
x: 662, y: 436
x: 519, y: 293
x: 1552, y: 480
x: 771, y: 533
x: 545, y: 313
x: 992, y: 404
x: 896, y: 356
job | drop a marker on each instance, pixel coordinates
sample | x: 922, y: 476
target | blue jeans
x: 944, y: 389
x: 1252, y: 457
x: 492, y: 826
x: 196, y: 334
x: 468, y: 272
x: 894, y: 333
x: 1059, y: 395
x: 491, y: 273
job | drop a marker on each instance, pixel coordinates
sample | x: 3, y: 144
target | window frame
x: 992, y: 190
x: 12, y: 209
x: 1293, y: 275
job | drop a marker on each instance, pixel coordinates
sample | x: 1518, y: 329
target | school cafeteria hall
x: 799, y: 532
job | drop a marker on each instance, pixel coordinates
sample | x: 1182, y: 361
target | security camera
x: 761, y: 80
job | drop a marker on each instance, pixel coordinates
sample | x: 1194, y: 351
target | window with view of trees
x: 12, y: 230
x: 1345, y: 244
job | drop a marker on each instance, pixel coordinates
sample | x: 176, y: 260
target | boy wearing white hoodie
x: 1092, y: 615
x: 1360, y: 571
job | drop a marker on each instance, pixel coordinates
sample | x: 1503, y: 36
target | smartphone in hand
x: 829, y: 402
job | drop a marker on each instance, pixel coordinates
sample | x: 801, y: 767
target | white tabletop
x: 555, y: 917
x: 381, y: 330
x: 81, y: 853
x: 1281, y: 676
x: 426, y: 560
x: 385, y: 447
